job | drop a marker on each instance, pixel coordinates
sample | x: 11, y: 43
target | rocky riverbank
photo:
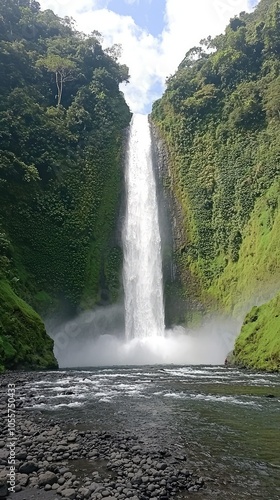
x: 54, y: 460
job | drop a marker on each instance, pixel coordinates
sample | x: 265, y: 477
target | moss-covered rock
x: 256, y: 273
x: 220, y: 124
x: 24, y: 342
x: 258, y: 345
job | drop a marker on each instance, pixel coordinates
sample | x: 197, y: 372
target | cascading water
x: 142, y: 274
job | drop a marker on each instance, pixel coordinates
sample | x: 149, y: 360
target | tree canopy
x: 62, y: 117
x: 220, y: 119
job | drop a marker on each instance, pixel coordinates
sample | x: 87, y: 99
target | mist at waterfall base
x: 77, y: 343
x: 134, y: 333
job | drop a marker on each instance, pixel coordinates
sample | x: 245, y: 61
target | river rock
x: 22, y: 479
x: 3, y: 488
x: 69, y: 493
x: 28, y: 467
x: 47, y: 478
x: 84, y: 492
x: 21, y: 455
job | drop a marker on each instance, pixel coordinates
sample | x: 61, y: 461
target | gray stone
x: 3, y: 488
x: 22, y: 479
x: 145, y: 479
x: 27, y: 442
x: 68, y: 475
x: 72, y: 438
x: 4, y: 454
x: 41, y: 439
x: 28, y: 467
x: 192, y: 488
x: 93, y: 453
x: 63, y: 470
x: 105, y: 493
x: 21, y: 455
x: 94, y: 486
x: 33, y: 481
x: 47, y: 478
x: 161, y: 466
x: 69, y: 493
x: 85, y: 492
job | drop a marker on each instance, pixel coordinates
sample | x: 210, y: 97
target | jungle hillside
x: 220, y: 121
x: 62, y: 119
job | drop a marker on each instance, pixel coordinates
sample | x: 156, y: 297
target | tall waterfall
x: 142, y: 274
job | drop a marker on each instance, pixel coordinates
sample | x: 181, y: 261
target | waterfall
x: 142, y: 273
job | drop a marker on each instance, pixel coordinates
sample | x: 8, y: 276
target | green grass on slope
x: 24, y: 342
x: 256, y: 274
x: 258, y: 345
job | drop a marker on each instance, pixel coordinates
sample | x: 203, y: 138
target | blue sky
x: 147, y: 14
x: 154, y: 34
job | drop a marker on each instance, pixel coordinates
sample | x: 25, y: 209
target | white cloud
x: 150, y: 59
x: 190, y: 21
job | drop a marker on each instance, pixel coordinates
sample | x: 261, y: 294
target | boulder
x: 69, y: 493
x: 28, y: 468
x: 47, y: 478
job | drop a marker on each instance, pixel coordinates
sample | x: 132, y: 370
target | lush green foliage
x: 61, y: 120
x: 23, y: 339
x: 61, y: 123
x: 256, y: 273
x: 258, y: 345
x: 220, y: 119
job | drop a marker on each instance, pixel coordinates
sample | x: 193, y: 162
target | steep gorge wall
x: 219, y: 120
x: 60, y: 174
x: 182, y: 304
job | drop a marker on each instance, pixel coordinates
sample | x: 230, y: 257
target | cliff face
x: 219, y: 119
x: 258, y: 345
x: 24, y: 343
x: 182, y: 304
x: 62, y: 118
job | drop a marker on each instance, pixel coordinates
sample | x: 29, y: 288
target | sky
x: 155, y: 34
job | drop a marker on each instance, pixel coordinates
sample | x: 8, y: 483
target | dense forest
x: 220, y: 120
x: 62, y: 131
x: 62, y: 118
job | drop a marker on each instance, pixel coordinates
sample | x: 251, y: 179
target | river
x: 224, y: 420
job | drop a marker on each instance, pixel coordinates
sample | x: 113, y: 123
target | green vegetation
x: 258, y: 345
x: 61, y: 130
x: 220, y: 119
x: 23, y: 341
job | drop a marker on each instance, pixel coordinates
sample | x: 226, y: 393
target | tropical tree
x: 62, y: 67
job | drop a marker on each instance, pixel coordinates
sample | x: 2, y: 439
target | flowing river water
x: 221, y: 421
x: 224, y: 420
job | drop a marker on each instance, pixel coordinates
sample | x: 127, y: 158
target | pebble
x: 120, y: 465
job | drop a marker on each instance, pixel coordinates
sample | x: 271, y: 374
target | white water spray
x: 95, y: 338
x: 142, y: 274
